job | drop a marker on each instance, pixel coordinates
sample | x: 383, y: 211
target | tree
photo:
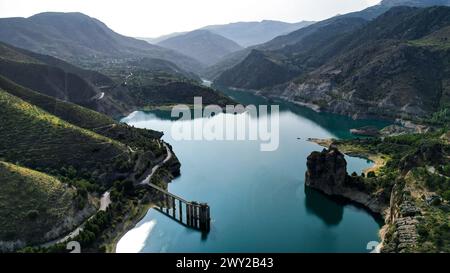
x: 32, y: 214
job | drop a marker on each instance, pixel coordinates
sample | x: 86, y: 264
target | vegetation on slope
x: 105, y: 228
x: 166, y: 90
x: 83, y: 149
x: 58, y: 79
x: 416, y: 181
x: 138, y: 139
x: 33, y: 204
x: 33, y: 138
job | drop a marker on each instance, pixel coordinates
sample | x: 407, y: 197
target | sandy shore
x: 351, y: 150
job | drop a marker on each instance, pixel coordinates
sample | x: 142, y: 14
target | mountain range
x: 244, y: 33
x: 211, y: 44
x: 254, y: 33
x: 82, y: 40
x: 202, y: 45
x: 297, y: 36
x: 356, y: 65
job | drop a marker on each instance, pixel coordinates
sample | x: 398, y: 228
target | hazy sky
x: 151, y: 18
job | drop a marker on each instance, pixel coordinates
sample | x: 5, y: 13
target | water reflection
x: 323, y: 207
x: 340, y: 125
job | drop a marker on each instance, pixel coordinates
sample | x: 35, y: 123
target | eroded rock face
x: 389, y: 80
x: 327, y: 172
x: 402, y: 219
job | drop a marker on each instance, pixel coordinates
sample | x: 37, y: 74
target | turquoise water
x: 258, y: 199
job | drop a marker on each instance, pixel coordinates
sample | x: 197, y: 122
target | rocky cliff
x: 327, y: 172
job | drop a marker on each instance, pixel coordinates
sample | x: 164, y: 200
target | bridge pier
x: 197, y: 214
x: 188, y: 215
x: 204, y: 217
x: 181, y: 210
x: 174, y: 209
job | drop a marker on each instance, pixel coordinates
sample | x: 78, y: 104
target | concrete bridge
x: 191, y: 214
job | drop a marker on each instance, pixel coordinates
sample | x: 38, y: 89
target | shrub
x: 32, y: 214
x: 446, y: 195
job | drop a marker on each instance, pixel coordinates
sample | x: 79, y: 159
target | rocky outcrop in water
x: 327, y: 172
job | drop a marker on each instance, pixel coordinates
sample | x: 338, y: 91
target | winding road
x: 105, y: 201
x: 159, y: 165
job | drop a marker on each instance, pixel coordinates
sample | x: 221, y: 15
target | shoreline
x: 378, y: 160
x: 142, y: 209
x: 130, y: 218
x: 111, y: 246
x: 408, y: 123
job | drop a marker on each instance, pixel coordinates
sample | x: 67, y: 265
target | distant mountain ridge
x: 288, y: 56
x: 243, y: 33
x: 297, y: 36
x: 395, y: 66
x: 202, y: 45
x: 80, y: 39
x: 158, y: 39
x: 253, y: 33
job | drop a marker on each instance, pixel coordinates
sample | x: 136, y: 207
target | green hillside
x: 32, y: 204
x: 71, y: 147
x: 67, y: 111
x: 154, y: 91
x: 439, y: 40
x: 85, y: 118
x: 34, y: 138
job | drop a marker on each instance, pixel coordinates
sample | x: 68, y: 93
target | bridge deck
x: 197, y: 215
